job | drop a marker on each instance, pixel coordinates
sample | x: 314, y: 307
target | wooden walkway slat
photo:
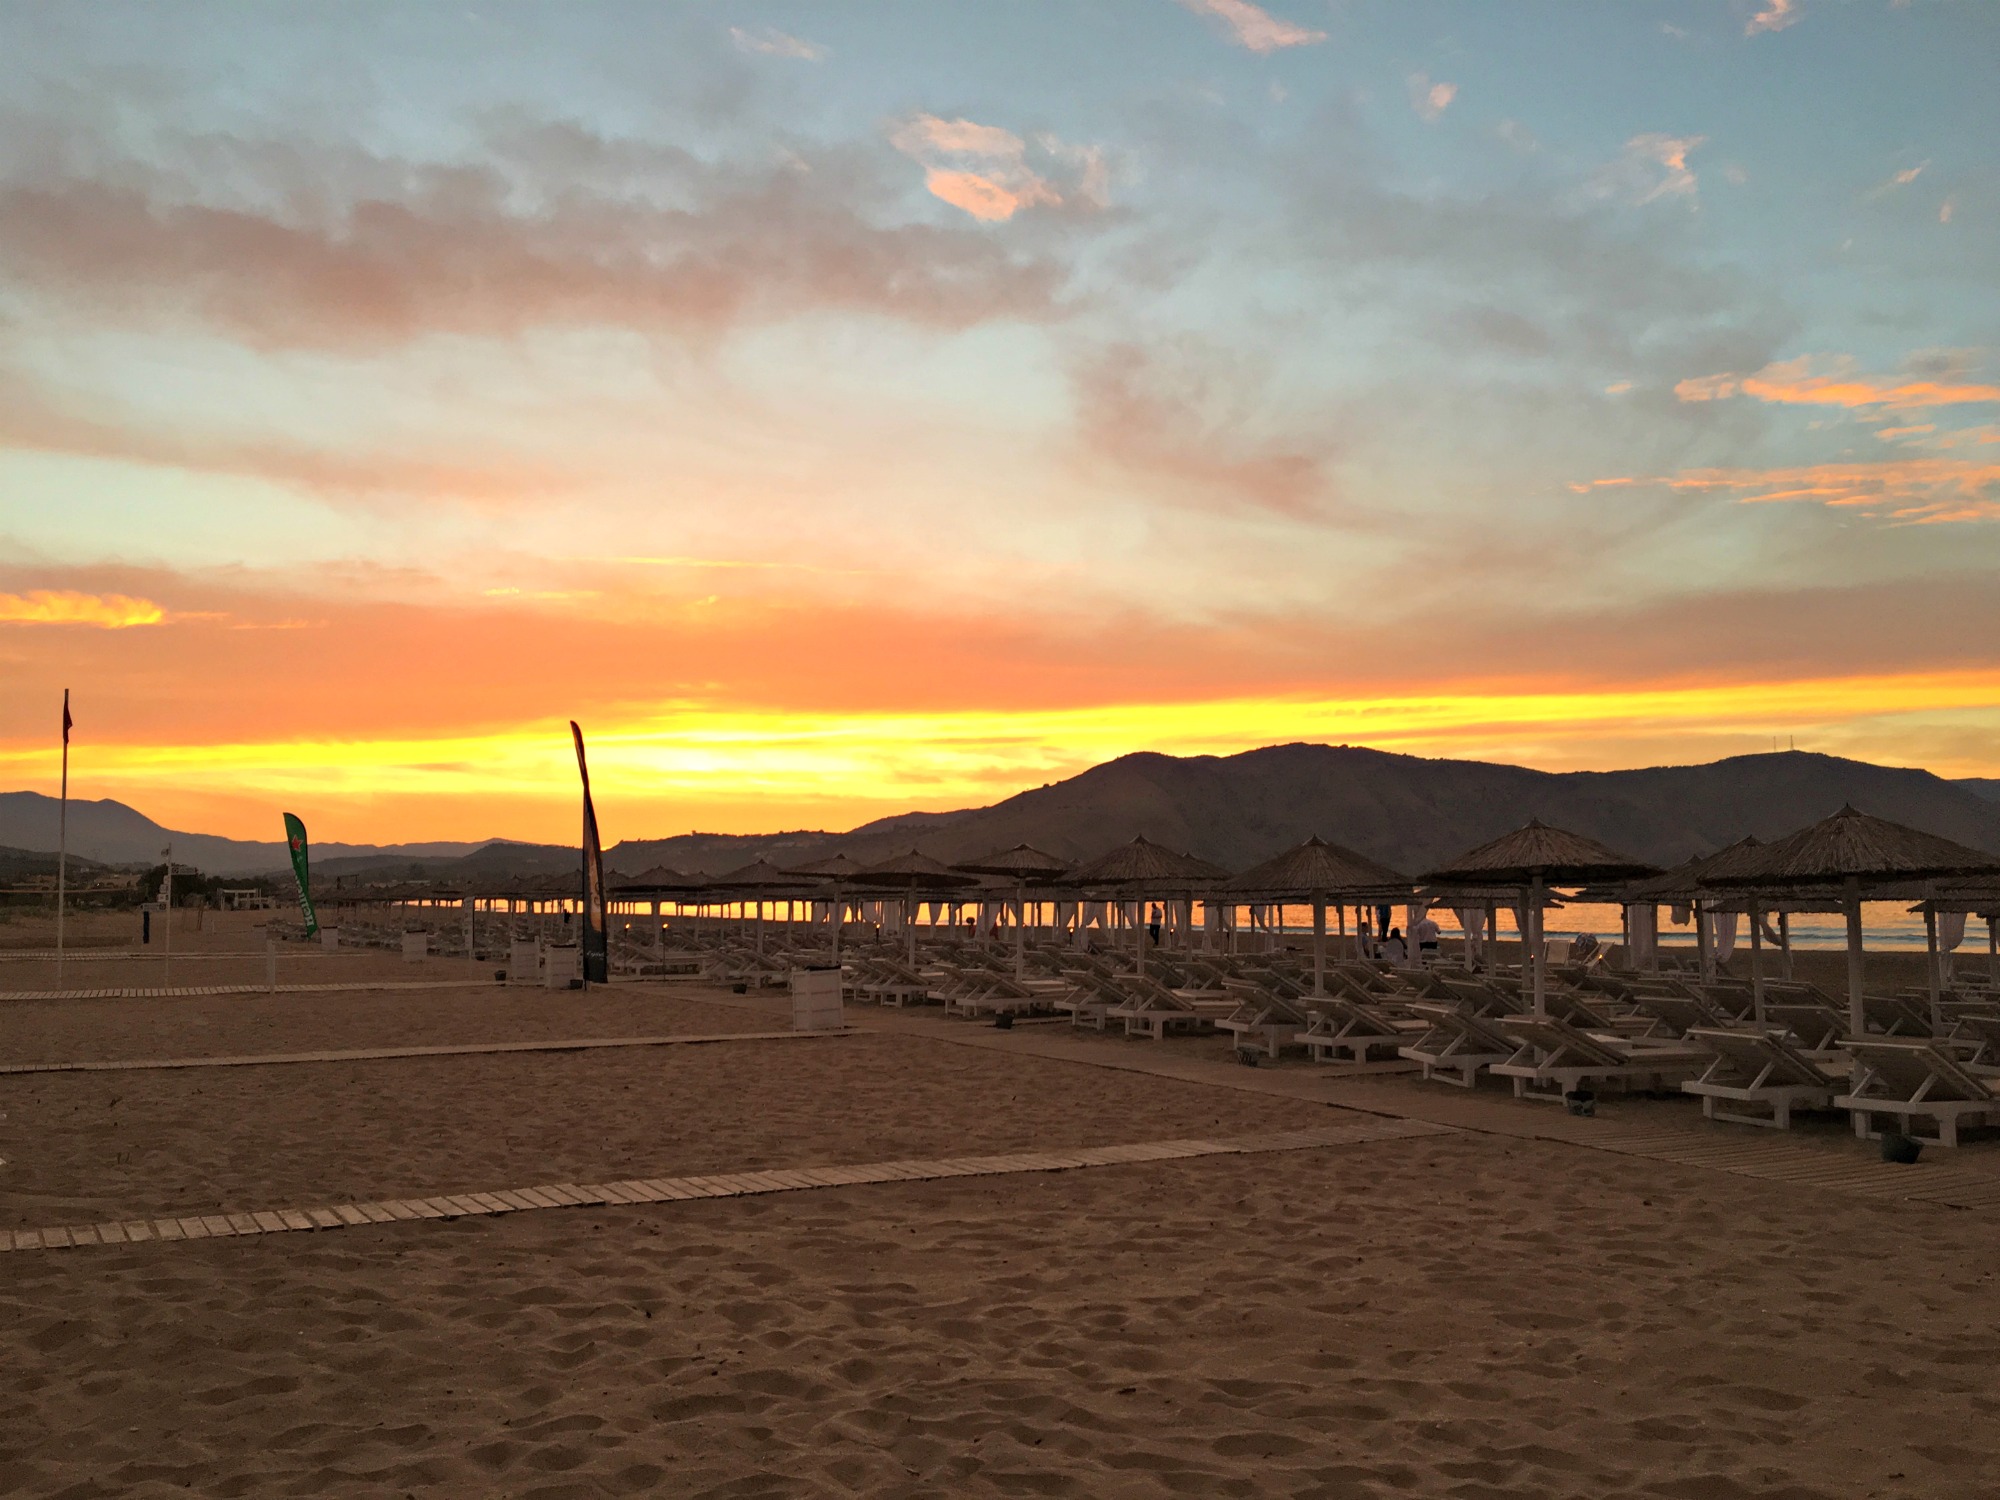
x: 645, y: 1191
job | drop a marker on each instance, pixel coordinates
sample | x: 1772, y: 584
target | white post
x: 167, y: 894
x: 62, y: 845
x: 1756, y: 962
x: 1857, y: 1015
x: 1535, y: 920
x: 1319, y: 942
x: 1932, y: 969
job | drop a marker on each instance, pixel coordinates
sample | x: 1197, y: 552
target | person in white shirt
x: 1425, y: 931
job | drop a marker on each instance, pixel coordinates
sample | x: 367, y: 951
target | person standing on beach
x: 1153, y: 919
x: 1425, y: 931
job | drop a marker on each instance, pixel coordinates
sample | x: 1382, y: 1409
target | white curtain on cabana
x: 1722, y: 926
x: 1472, y: 922
x: 1951, y: 930
x: 1642, y: 929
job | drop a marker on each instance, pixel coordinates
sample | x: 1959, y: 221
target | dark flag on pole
x: 68, y: 722
x: 596, y: 941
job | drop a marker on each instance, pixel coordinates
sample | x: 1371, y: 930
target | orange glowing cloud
x: 1914, y: 491
x: 67, y: 607
x: 983, y: 169
x: 1796, y: 382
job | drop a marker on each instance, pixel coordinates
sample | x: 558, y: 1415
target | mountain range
x: 1235, y: 810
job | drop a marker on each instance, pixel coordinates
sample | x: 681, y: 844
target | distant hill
x: 115, y: 834
x: 1981, y: 786
x: 33, y: 864
x: 1409, y: 812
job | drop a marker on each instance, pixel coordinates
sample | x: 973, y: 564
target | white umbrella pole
x: 1756, y: 963
x: 1139, y: 940
x: 1319, y: 943
x: 910, y: 926
x: 1701, y: 939
x: 1021, y: 932
x: 1535, y: 918
x: 1932, y: 970
x: 1857, y: 1016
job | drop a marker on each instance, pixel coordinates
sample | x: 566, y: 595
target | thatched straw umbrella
x: 655, y: 885
x: 1533, y: 858
x: 1852, y: 849
x: 1025, y: 865
x: 839, y: 869
x: 911, y: 873
x: 1143, y: 868
x: 759, y: 879
x: 1966, y: 899
x: 1314, y: 871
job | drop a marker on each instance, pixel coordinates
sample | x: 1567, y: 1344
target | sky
x: 845, y: 408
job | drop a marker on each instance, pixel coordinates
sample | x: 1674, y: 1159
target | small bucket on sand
x: 1003, y: 1023
x: 1580, y: 1102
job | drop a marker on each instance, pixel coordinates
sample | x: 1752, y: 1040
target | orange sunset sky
x: 841, y: 409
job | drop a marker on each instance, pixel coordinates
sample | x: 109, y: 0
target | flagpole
x: 62, y: 845
x: 167, y: 897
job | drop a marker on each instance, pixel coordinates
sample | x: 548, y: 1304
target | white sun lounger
x: 1343, y: 1030
x: 1553, y: 1058
x: 1758, y: 1069
x: 1455, y: 1044
x: 1909, y: 1080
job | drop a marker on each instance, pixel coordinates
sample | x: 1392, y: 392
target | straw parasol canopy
x: 913, y: 872
x: 1554, y: 856
x: 1143, y: 862
x: 1850, y: 845
x: 758, y: 875
x: 659, y: 878
x: 833, y: 867
x: 1022, y: 863
x: 1319, y: 867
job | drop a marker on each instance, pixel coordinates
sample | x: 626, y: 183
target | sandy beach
x: 1465, y: 1315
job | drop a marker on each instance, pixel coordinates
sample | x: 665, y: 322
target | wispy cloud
x: 1945, y: 210
x: 1775, y: 16
x: 771, y: 42
x: 1430, y: 100
x: 1651, y: 167
x: 1911, y: 491
x: 68, y: 607
x: 1894, y: 180
x: 1254, y: 27
x: 277, y: 246
x: 1806, y: 381
x: 984, y: 170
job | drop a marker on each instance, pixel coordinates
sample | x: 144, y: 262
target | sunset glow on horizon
x: 847, y: 410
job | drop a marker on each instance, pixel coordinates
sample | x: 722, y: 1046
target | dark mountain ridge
x: 1407, y: 811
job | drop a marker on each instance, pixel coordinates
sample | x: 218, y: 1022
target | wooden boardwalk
x: 175, y: 992
x: 652, y: 1190
x: 446, y: 1049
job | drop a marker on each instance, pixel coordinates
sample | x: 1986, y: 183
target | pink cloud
x: 1431, y: 100
x: 1775, y: 16
x: 984, y: 169
x: 1254, y: 27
